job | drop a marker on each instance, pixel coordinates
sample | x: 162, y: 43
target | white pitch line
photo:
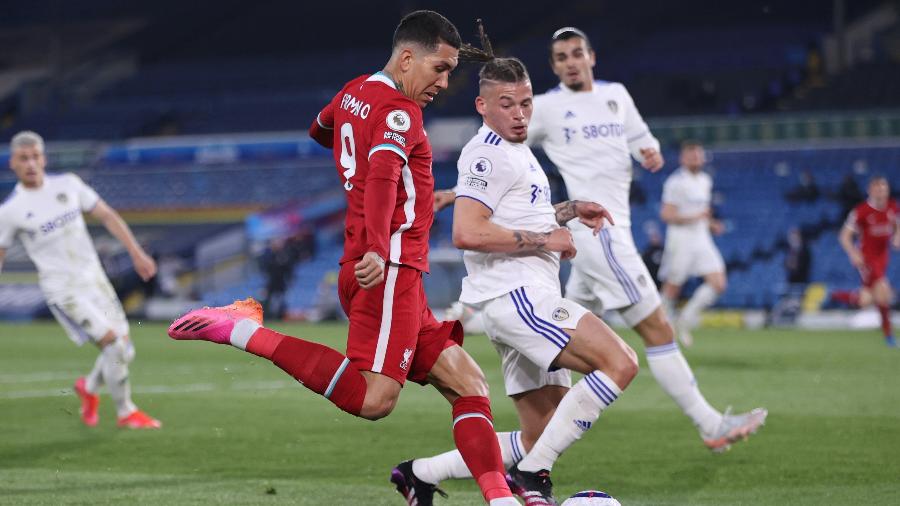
x: 157, y: 389
x: 37, y: 377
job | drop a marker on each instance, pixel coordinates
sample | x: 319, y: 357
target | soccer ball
x: 591, y: 498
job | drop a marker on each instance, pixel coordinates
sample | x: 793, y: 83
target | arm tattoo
x: 565, y: 211
x: 528, y: 241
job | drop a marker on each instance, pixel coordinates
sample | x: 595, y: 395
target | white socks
x: 114, y: 364
x: 94, y: 380
x: 576, y: 413
x: 505, y: 501
x: 703, y: 297
x: 450, y: 465
x: 674, y: 375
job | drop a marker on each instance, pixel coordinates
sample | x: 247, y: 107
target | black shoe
x: 415, y: 491
x: 535, y: 488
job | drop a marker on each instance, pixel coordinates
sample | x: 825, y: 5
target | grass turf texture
x: 239, y: 431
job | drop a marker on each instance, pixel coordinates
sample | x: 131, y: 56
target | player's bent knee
x: 378, y: 405
x: 623, y: 368
x: 475, y: 385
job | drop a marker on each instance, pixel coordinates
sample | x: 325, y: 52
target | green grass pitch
x: 239, y: 431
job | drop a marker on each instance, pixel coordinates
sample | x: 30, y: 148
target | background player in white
x: 690, y: 250
x: 591, y: 130
x: 46, y: 213
x: 513, y: 239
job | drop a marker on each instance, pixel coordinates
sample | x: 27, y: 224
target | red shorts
x: 876, y: 267
x: 392, y: 330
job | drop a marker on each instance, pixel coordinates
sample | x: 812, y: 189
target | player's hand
x: 443, y: 198
x: 144, y: 265
x: 592, y: 214
x: 369, y: 271
x: 895, y: 241
x: 716, y: 227
x: 653, y: 160
x: 560, y: 240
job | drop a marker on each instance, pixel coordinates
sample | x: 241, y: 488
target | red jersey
x: 875, y: 228
x: 379, y: 141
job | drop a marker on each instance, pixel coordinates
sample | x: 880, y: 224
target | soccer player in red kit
x: 876, y: 223
x: 374, y: 125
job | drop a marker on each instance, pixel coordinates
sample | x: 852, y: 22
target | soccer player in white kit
x: 591, y: 130
x: 46, y: 213
x: 690, y: 250
x: 513, y: 239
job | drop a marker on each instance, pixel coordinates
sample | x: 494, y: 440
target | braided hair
x: 495, y: 69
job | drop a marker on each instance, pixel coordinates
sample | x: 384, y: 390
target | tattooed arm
x: 473, y: 230
x: 565, y: 211
x: 589, y: 213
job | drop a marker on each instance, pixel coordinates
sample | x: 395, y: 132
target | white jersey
x: 591, y: 136
x: 508, y: 179
x: 691, y: 194
x: 50, y: 223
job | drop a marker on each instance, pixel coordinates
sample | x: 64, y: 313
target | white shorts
x: 609, y: 274
x: 685, y: 259
x: 526, y: 327
x: 89, y: 312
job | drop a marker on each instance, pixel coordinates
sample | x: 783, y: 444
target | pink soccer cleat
x: 215, y: 323
x: 139, y: 420
x: 89, y: 403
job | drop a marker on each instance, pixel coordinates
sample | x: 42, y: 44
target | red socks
x: 849, y: 297
x: 474, y: 434
x: 886, y: 320
x: 319, y: 368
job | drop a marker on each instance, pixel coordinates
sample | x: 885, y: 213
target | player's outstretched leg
x: 319, y: 368
x: 451, y: 466
x: 674, y: 375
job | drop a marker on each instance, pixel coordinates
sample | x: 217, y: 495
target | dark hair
x: 569, y: 32
x: 691, y: 144
x: 504, y: 70
x: 878, y: 177
x: 428, y: 29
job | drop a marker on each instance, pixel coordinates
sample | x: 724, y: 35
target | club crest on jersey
x: 62, y: 198
x: 398, y: 120
x: 560, y: 314
x: 407, y: 355
x: 481, y: 167
x: 613, y: 106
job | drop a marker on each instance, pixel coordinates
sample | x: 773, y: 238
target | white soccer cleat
x: 684, y: 334
x: 734, y: 428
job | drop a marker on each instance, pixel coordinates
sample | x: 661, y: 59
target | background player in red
x: 374, y: 124
x: 876, y: 223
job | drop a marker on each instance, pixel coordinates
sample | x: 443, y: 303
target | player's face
x: 573, y: 63
x: 879, y: 191
x: 507, y: 109
x: 694, y: 158
x: 28, y: 163
x: 429, y: 73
